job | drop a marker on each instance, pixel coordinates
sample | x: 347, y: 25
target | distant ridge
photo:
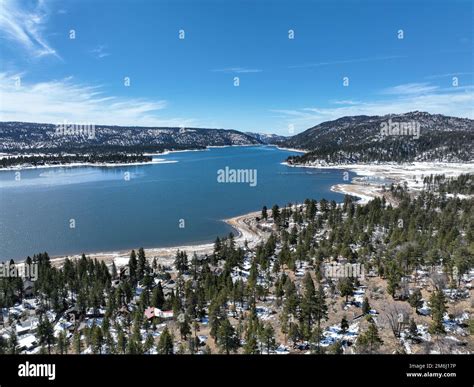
x: 268, y: 138
x: 27, y: 137
x: 359, y: 139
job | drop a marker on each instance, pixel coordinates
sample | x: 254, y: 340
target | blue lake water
x: 114, y: 213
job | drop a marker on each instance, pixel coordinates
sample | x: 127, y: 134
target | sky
x: 264, y: 66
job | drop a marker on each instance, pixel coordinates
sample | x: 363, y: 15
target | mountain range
x: 29, y: 137
x: 413, y: 136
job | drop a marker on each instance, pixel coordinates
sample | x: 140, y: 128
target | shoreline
x: 411, y: 174
x: 112, y: 165
x: 291, y: 149
x: 242, y: 224
x: 97, y: 165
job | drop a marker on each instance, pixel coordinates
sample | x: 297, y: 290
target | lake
x: 181, y: 200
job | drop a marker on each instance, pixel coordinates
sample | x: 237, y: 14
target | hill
x: 413, y: 136
x: 28, y: 137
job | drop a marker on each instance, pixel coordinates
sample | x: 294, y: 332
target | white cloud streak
x: 346, y: 61
x: 25, y: 26
x: 237, y: 70
x: 63, y: 100
x: 100, y: 52
x: 456, y: 102
x: 410, y: 88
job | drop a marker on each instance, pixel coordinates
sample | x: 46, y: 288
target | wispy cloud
x: 100, y: 52
x: 237, y: 70
x: 453, y: 102
x: 346, y: 61
x: 437, y: 76
x: 410, y: 88
x: 59, y: 100
x: 345, y: 102
x: 24, y: 23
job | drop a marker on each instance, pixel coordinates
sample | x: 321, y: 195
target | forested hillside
x: 417, y: 260
x: 360, y: 139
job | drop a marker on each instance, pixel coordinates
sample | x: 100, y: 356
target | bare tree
x: 396, y: 316
x: 439, y: 280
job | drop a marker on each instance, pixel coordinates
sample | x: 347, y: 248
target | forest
x: 61, y: 159
x: 239, y: 300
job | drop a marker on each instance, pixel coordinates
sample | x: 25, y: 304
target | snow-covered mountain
x: 267, y: 138
x: 23, y: 136
x: 413, y: 136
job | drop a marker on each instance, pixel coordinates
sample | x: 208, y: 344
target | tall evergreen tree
x: 45, y: 333
x: 226, y: 337
x: 165, y: 344
x: 369, y: 341
x: 438, y: 309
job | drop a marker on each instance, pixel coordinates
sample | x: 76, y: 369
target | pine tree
x: 294, y: 333
x: 438, y: 309
x: 393, y: 281
x: 97, y: 340
x: 217, y: 246
x: 121, y: 341
x: 45, y: 333
x: 132, y: 267
x: 149, y: 342
x: 346, y: 287
x: 184, y: 328
x: 264, y: 213
x: 77, y: 342
x: 267, y: 337
x: 181, y: 261
x: 413, y: 332
x: 142, y: 264
x: 226, y: 337
x: 13, y: 342
x: 62, y: 343
x: 251, y: 344
x: 158, y: 298
x: 165, y: 344
x: 308, y: 305
x: 195, y: 265
x: 369, y: 341
x: 276, y: 213
x: 336, y: 348
x: 321, y: 313
x: 366, y: 306
x: 114, y: 271
x: 344, y: 324
x: 110, y: 343
x: 292, y: 301
x: 415, y: 299
x: 316, y: 337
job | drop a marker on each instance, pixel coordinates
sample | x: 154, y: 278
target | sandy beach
x: 244, y: 225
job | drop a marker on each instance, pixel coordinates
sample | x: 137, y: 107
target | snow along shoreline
x: 410, y: 173
x: 112, y: 165
x: 75, y: 165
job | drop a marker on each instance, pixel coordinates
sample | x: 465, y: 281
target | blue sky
x: 286, y: 85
